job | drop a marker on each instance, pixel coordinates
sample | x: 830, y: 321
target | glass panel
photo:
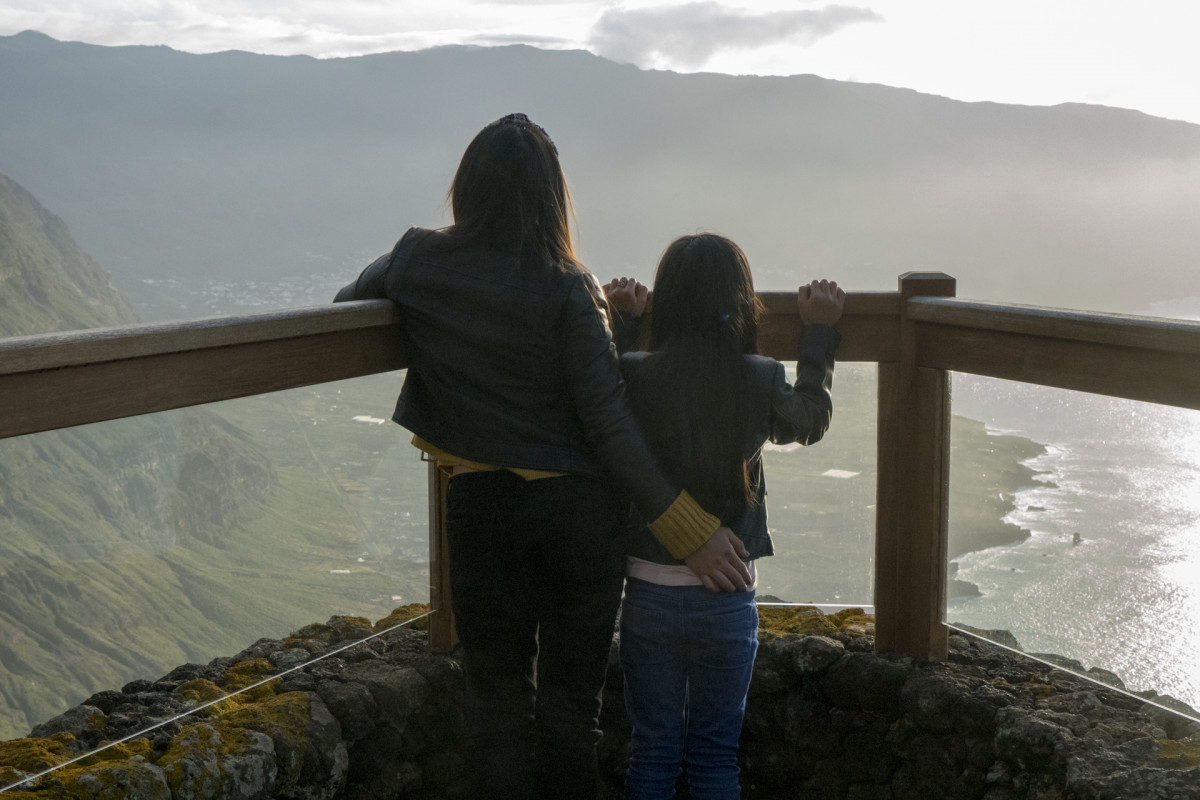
x: 1076, y: 528
x: 195, y: 297
x: 821, y: 503
x: 131, y: 547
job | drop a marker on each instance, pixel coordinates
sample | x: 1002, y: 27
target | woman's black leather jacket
x: 512, y: 364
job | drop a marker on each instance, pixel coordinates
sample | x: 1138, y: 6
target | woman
x: 708, y: 404
x: 513, y: 385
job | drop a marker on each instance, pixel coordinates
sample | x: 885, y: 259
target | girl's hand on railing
x: 626, y: 296
x: 820, y: 302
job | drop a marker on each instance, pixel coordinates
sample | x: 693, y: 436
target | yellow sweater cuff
x: 684, y: 527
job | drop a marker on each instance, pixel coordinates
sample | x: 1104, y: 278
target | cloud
x: 688, y: 35
x: 287, y: 27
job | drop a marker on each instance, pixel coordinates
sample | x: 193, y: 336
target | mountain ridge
x: 235, y: 164
x: 46, y: 282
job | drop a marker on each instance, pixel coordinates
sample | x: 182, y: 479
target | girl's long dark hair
x: 705, y: 319
x: 510, y: 191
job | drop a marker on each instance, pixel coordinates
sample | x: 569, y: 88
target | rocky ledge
x: 826, y: 718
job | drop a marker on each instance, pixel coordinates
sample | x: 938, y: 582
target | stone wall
x: 826, y: 718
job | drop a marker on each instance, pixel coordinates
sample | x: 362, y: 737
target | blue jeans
x: 687, y: 654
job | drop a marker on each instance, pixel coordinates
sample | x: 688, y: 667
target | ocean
x: 1110, y: 574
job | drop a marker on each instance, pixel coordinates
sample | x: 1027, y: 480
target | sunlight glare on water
x: 1110, y: 574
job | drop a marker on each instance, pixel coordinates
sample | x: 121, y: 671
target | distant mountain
x: 241, y: 166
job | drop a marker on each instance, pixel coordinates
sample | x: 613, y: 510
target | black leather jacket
x: 779, y: 412
x: 512, y: 364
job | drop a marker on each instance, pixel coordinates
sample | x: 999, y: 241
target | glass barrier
x: 198, y: 297
x: 1075, y: 532
x: 131, y: 547
x: 821, y: 503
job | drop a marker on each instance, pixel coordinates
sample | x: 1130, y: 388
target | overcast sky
x: 1139, y: 55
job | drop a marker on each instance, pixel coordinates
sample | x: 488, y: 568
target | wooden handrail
x: 59, y: 380
x: 1137, y: 358
x: 1122, y: 330
x: 99, y: 345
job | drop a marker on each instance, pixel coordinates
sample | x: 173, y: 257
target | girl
x: 514, y: 388
x: 707, y: 404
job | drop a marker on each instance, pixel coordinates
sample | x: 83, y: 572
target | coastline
x: 989, y: 470
x: 1098, y: 579
x: 821, y: 506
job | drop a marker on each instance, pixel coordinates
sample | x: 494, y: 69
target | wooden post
x: 442, y: 635
x: 912, y: 497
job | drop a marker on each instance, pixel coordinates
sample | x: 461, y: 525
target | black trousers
x: 536, y: 569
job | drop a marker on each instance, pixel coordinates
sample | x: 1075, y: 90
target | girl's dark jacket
x: 512, y: 364
x: 779, y: 412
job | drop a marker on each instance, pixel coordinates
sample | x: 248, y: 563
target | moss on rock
x: 217, y: 759
x: 245, y: 674
x: 337, y: 630
x: 118, y: 779
x: 1179, y: 752
x: 403, y: 614
x: 1040, y: 690
x: 774, y: 621
x: 200, y: 691
x: 32, y: 755
x: 307, y: 739
x: 119, y: 752
x: 118, y: 771
x: 854, y: 620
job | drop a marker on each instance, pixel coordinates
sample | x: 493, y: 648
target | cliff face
x: 46, y: 282
x: 93, y: 520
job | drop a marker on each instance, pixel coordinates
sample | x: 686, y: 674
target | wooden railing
x: 916, y: 335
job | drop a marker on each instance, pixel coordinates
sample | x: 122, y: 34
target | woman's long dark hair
x: 705, y: 318
x: 510, y: 191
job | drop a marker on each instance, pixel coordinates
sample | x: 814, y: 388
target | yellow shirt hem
x: 450, y: 461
